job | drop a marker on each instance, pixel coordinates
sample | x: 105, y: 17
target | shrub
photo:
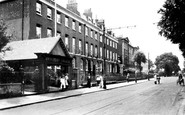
x: 7, y: 74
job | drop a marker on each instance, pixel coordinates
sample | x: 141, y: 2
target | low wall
x: 10, y: 89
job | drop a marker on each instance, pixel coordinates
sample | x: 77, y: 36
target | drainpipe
x: 22, y: 20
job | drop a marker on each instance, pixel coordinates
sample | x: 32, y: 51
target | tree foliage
x: 4, y: 39
x: 168, y: 62
x: 172, y: 23
x: 151, y: 64
x: 139, y: 58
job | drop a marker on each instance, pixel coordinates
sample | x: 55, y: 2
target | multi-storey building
x: 88, y: 43
x: 126, y: 53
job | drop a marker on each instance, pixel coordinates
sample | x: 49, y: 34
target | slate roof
x: 26, y: 49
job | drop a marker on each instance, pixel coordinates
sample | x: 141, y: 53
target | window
x: 67, y: 42
x: 92, y: 65
x: 73, y: 25
x: 49, y: 32
x: 107, y: 54
x: 110, y: 43
x: 86, y: 49
x: 113, y: 44
x: 96, y: 36
x: 96, y: 51
x: 80, y: 46
x: 110, y: 68
x: 73, y: 46
x: 101, y: 39
x: 107, y: 41
x: 66, y: 21
x: 91, y: 33
x: 101, y: 67
x: 49, y: 13
x: 113, y: 56
x: 59, y: 17
x: 81, y: 64
x: 38, y: 31
x: 58, y: 33
x: 86, y: 65
x: 86, y: 31
x: 38, y: 8
x: 91, y: 49
x: 110, y: 55
x: 101, y: 53
x: 80, y: 28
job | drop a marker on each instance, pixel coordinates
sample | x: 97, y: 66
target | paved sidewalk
x: 33, y: 99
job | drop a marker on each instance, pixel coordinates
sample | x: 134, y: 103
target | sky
x: 123, y: 13
x: 142, y: 13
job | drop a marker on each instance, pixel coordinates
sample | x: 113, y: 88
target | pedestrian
x: 101, y: 81
x: 98, y: 80
x: 62, y: 81
x: 127, y: 77
x: 104, y: 82
x: 158, y: 79
x: 89, y: 80
x: 67, y: 80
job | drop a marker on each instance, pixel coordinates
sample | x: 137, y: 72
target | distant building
x: 126, y: 53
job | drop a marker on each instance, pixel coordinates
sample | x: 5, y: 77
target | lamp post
x: 104, y: 49
x: 102, y: 22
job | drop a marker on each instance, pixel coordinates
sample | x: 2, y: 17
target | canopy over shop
x: 40, y: 54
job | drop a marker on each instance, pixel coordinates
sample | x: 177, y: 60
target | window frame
x: 59, y: 19
x: 49, y: 32
x: 66, y: 21
x: 39, y: 8
x: 49, y: 13
x: 38, y: 27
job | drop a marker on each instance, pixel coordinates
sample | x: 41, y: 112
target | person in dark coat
x: 104, y: 82
x: 89, y: 80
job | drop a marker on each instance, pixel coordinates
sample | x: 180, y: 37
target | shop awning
x: 27, y: 49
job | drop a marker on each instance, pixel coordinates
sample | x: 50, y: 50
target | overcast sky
x: 142, y: 13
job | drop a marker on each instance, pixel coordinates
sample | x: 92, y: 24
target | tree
x: 4, y: 39
x: 151, y: 64
x: 172, y: 23
x: 168, y: 62
x: 139, y: 57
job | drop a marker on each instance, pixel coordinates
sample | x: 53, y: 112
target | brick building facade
x: 88, y: 44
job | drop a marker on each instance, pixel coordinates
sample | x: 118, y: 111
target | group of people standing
x: 101, y: 81
x: 64, y: 81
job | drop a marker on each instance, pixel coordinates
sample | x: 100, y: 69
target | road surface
x: 139, y: 99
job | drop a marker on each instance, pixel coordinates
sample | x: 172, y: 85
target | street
x: 142, y: 98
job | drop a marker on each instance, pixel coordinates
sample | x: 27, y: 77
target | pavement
x: 40, y: 98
